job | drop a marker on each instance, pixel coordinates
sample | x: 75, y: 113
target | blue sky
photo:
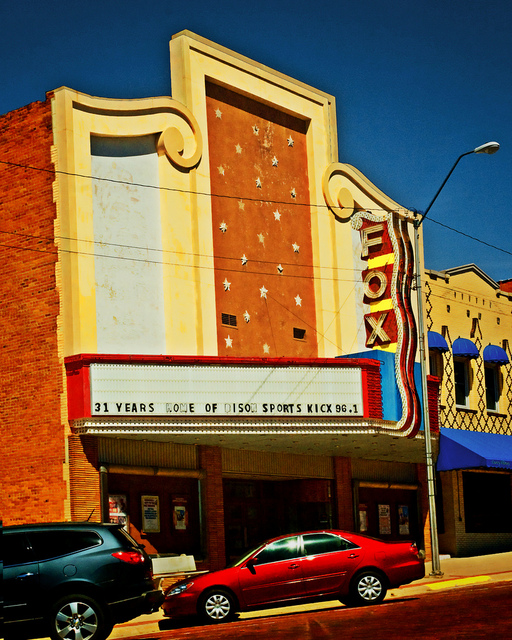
x: 416, y: 84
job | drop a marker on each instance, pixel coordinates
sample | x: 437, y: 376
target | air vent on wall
x: 228, y: 320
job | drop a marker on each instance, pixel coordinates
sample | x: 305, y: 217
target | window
x: 487, y: 502
x: 492, y: 393
x: 299, y: 334
x: 53, y: 544
x: 317, y: 543
x: 460, y: 369
x: 285, y: 549
x: 16, y: 549
x: 435, y: 363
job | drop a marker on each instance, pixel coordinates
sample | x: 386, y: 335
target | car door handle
x: 354, y: 555
x: 23, y: 576
x: 294, y: 566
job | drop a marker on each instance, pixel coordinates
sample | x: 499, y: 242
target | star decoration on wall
x: 247, y: 317
x: 293, y: 193
x: 263, y: 292
x: 238, y: 148
x: 255, y: 130
x: 223, y: 227
x: 280, y: 268
x: 218, y: 113
x: 221, y: 170
x: 227, y: 285
x: 266, y: 348
x: 258, y: 183
x: 296, y: 247
x: 244, y: 259
x: 275, y: 161
x: 298, y: 300
x: 241, y: 205
x: 261, y: 238
x: 290, y: 141
x: 229, y: 342
x: 277, y: 214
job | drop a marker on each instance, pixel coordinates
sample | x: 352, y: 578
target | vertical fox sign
x: 386, y: 260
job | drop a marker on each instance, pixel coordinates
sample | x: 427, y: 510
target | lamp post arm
x: 420, y: 220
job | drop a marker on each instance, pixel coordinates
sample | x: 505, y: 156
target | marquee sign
x: 189, y: 391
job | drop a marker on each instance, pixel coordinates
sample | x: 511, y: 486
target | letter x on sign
x: 378, y: 329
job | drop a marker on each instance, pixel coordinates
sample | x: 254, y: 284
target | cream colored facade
x: 99, y: 232
x: 464, y: 302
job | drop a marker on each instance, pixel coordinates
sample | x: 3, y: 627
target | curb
x: 457, y: 582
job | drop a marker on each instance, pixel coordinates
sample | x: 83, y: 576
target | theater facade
x: 212, y: 323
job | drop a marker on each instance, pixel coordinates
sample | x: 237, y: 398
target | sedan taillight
x: 131, y: 557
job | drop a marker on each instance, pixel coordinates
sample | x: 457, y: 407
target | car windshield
x: 244, y: 557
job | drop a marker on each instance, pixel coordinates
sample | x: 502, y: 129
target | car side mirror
x: 250, y: 564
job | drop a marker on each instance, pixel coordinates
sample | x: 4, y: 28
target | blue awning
x: 459, y: 449
x: 464, y: 348
x: 493, y: 354
x: 436, y: 341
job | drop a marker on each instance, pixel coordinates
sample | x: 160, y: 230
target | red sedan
x: 305, y: 567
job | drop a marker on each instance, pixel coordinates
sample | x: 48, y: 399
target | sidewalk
x: 457, y: 572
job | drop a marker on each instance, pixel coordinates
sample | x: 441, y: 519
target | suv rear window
x: 53, y: 544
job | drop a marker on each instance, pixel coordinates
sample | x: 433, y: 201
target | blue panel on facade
x: 391, y: 401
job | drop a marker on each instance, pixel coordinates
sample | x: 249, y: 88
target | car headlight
x: 180, y: 589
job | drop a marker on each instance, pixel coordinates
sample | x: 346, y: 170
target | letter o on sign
x: 383, y: 283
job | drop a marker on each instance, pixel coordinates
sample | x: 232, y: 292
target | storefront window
x: 487, y: 502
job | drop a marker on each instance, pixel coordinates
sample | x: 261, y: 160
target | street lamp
x: 489, y: 148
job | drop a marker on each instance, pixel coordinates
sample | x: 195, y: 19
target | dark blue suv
x: 73, y: 580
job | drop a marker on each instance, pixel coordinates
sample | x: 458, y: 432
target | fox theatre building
x: 236, y: 325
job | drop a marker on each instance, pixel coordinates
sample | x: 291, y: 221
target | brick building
x: 210, y: 334
x: 470, y: 321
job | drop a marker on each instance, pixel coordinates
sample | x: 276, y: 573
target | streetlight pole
x: 488, y: 148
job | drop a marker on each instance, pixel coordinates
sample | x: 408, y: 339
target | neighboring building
x: 209, y: 331
x: 470, y: 321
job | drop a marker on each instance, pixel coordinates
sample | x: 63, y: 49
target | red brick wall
x: 433, y: 402
x: 372, y: 380
x: 343, y: 493
x: 84, y: 478
x: 32, y: 434
x: 213, y: 507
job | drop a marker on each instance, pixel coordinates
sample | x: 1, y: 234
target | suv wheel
x: 77, y: 616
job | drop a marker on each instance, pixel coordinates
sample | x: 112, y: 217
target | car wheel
x: 367, y: 588
x: 217, y: 606
x: 78, y: 617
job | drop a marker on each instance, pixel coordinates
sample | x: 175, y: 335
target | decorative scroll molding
x: 172, y: 144
x: 342, y: 203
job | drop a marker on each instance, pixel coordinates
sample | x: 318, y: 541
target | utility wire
x: 238, y: 198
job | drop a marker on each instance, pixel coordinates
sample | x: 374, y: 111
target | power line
x: 290, y: 203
